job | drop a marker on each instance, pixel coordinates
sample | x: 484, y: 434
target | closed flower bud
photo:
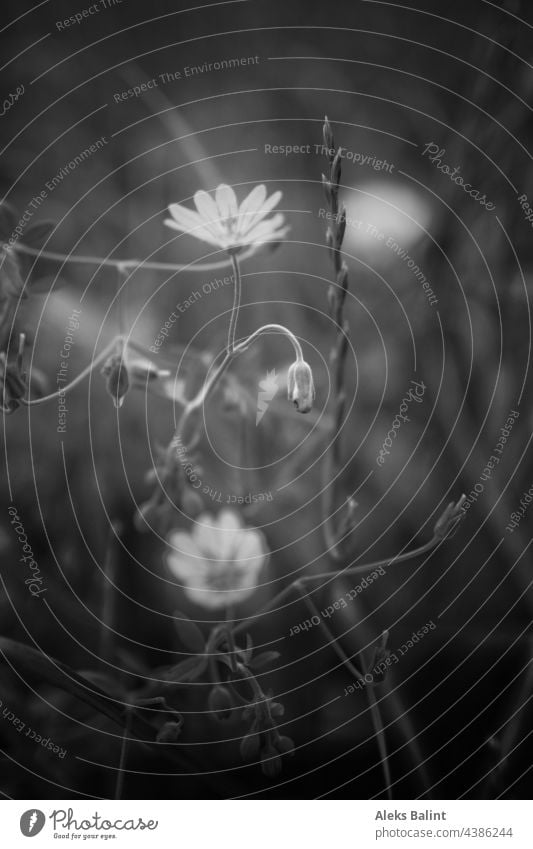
x: 336, y: 168
x: 329, y: 141
x: 284, y: 745
x: 301, y: 388
x: 341, y: 228
x: 249, y: 747
x: 169, y: 732
x: 117, y: 380
x: 332, y: 300
x: 342, y: 277
x: 271, y: 765
x: 220, y: 702
x: 326, y: 185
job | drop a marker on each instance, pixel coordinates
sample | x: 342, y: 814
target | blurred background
x: 393, y: 80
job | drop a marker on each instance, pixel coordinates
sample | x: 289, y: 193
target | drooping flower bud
x: 301, y: 388
x: 220, y: 702
x: 117, y: 380
x: 250, y: 746
x: 284, y: 745
x: 271, y: 765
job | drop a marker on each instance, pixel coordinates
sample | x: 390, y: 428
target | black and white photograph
x: 265, y: 350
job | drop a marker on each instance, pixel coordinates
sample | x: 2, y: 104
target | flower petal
x: 252, y: 549
x: 208, y: 211
x: 266, y: 230
x: 229, y: 519
x: 199, y: 232
x: 205, y: 534
x: 264, y: 210
x: 226, y: 202
x: 188, y: 569
x: 253, y: 202
x: 187, y: 219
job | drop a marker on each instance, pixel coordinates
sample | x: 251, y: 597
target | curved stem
x: 122, y: 274
x: 377, y: 721
x: 354, y: 570
x: 86, y: 371
x: 125, y: 264
x: 375, y: 712
x: 237, y: 294
x: 271, y: 328
x: 217, y: 373
x: 119, y: 787
x: 367, y: 567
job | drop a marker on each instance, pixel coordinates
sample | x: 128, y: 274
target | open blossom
x: 219, y: 561
x: 222, y: 222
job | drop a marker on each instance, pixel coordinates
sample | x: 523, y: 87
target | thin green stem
x: 380, y: 738
x: 125, y: 264
x: 353, y: 670
x: 217, y: 373
x: 271, y: 328
x: 122, y: 275
x: 81, y: 376
x: 332, y: 641
x: 237, y: 294
x: 367, y: 567
x: 119, y: 787
x: 354, y: 570
x: 109, y: 574
x: 400, y: 715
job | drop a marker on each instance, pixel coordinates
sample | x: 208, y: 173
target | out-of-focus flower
x: 263, y: 739
x: 219, y: 561
x: 222, y: 222
x: 220, y: 702
x: 300, y: 386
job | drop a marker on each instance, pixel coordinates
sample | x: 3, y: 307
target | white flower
x: 219, y: 561
x: 222, y: 222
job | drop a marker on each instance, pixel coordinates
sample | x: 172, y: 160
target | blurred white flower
x: 218, y: 561
x: 222, y: 222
